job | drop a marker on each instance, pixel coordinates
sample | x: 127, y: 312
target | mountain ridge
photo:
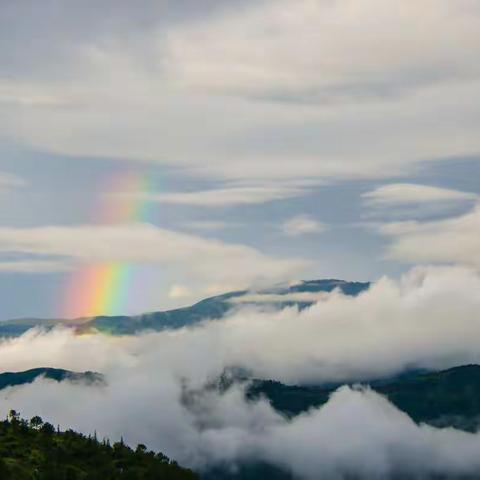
x: 211, y: 308
x: 12, y: 379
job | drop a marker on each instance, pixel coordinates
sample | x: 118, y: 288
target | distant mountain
x: 445, y: 398
x: 449, y: 398
x: 301, y: 295
x: 11, y: 379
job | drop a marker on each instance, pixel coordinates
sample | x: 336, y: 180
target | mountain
x: 449, y: 398
x: 445, y: 398
x: 11, y: 379
x: 301, y: 295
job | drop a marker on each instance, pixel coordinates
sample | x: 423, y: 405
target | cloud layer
x: 327, y: 51
x: 205, y: 261
x: 318, y: 90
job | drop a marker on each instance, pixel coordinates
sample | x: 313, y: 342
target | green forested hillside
x: 446, y: 398
x: 33, y: 450
x: 11, y: 379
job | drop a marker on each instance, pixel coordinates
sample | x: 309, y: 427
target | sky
x: 165, y: 151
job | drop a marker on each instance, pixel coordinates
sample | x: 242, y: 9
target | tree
x: 33, y: 450
x: 13, y: 416
x: 47, y: 428
x: 36, y: 422
x: 141, y: 448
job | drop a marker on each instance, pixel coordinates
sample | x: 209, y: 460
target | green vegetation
x: 34, y: 450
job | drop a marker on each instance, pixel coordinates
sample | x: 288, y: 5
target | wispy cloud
x: 348, y: 110
x: 273, y: 298
x: 398, y: 194
x: 410, y: 200
x: 454, y: 240
x: 326, y: 52
x: 206, y: 260
x: 302, y: 225
x: 34, y: 266
x: 210, y: 225
x: 7, y: 181
x: 226, y: 197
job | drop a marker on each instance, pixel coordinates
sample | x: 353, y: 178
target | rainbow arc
x: 103, y: 289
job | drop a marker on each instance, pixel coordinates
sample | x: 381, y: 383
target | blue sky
x: 280, y: 139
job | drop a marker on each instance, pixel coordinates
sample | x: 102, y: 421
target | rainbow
x: 102, y: 289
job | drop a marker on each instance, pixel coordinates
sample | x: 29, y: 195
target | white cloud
x: 302, y: 225
x: 225, y: 197
x: 210, y: 225
x: 34, y: 266
x: 206, y: 260
x: 179, y: 292
x: 409, y: 201
x: 124, y: 100
x: 369, y: 141
x: 454, y: 240
x: 327, y: 51
x: 280, y: 298
x: 7, y: 181
x: 360, y: 434
x: 424, y: 320
x: 398, y: 194
x: 23, y: 96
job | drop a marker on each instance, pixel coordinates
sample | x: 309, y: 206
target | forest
x: 36, y: 450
